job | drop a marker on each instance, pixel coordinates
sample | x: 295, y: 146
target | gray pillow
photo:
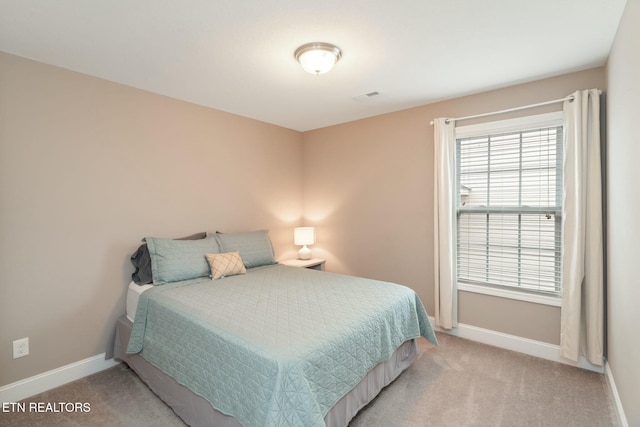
x: 176, y: 260
x: 254, y: 246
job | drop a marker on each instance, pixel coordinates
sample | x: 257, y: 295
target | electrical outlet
x: 20, y: 347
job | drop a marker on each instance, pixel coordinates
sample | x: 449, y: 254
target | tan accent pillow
x: 226, y: 264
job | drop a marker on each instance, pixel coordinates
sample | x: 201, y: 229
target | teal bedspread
x: 278, y: 346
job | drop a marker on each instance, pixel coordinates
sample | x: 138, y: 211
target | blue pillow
x: 254, y: 246
x: 176, y: 260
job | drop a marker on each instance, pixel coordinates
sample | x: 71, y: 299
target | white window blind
x: 509, y: 208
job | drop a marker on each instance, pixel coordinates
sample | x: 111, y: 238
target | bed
x: 271, y: 346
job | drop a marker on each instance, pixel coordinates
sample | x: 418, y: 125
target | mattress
x: 133, y: 296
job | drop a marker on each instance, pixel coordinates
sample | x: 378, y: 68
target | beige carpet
x: 463, y: 383
x: 459, y: 383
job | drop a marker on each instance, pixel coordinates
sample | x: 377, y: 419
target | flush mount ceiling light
x: 317, y: 57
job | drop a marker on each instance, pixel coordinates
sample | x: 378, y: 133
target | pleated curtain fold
x: 582, y: 318
x: 444, y: 176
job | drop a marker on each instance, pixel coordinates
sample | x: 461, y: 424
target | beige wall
x: 369, y: 190
x: 623, y: 230
x: 88, y: 168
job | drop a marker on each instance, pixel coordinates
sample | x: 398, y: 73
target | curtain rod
x: 509, y: 110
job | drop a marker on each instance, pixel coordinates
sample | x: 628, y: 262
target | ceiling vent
x: 368, y: 97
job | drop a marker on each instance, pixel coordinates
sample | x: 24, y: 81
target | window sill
x: 505, y: 293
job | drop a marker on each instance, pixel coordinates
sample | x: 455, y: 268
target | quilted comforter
x: 278, y: 346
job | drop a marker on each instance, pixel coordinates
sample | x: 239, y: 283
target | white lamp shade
x: 304, y: 236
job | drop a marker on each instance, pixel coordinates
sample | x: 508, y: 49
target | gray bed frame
x: 196, y: 411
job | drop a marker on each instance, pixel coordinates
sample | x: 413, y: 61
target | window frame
x: 552, y: 119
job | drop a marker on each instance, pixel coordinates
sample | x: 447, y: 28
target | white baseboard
x: 56, y: 377
x: 616, y: 396
x: 528, y: 346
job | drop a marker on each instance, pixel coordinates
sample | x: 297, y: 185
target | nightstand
x: 313, y: 263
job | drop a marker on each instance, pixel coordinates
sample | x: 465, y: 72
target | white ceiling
x: 237, y: 55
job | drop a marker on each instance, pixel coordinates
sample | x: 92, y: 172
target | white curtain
x: 581, y: 329
x: 445, y: 224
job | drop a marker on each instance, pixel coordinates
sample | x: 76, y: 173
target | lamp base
x: 304, y: 253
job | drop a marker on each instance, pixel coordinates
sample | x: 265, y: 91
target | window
x: 509, y: 205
